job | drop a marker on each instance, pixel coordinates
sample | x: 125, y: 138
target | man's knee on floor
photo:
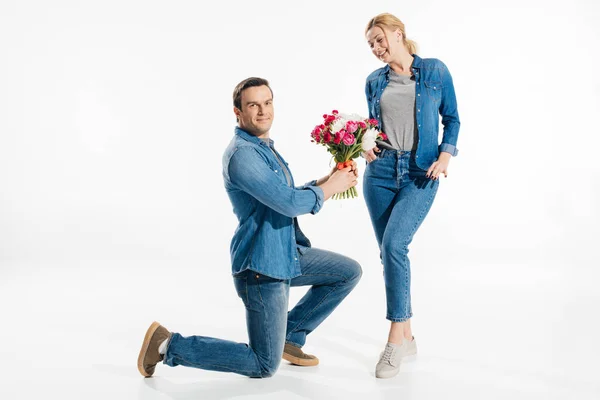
x: 269, y: 369
x: 355, y: 271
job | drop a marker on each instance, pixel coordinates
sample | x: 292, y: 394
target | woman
x: 406, y: 96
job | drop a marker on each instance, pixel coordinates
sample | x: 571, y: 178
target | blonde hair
x: 391, y: 22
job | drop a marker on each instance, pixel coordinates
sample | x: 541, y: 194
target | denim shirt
x: 435, y: 96
x: 268, y: 238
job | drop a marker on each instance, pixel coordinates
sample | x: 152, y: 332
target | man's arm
x: 249, y: 171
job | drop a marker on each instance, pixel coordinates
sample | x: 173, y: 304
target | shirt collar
x: 415, y: 65
x: 417, y: 61
x: 251, y: 138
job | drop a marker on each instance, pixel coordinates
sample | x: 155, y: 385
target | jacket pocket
x: 434, y: 89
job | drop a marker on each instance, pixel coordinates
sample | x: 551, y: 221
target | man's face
x: 256, y: 115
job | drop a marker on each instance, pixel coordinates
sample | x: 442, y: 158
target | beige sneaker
x: 149, y: 355
x: 296, y: 356
x: 389, y: 360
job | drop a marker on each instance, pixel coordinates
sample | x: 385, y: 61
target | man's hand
x: 353, y: 168
x: 339, y: 180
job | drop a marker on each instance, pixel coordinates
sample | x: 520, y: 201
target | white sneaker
x: 389, y: 360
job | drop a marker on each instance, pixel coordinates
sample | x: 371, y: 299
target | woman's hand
x: 440, y: 166
x: 370, y: 155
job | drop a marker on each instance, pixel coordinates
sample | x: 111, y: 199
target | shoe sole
x: 387, y: 375
x: 303, y: 362
x: 144, y: 348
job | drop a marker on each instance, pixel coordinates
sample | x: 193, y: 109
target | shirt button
x: 419, y: 110
x: 296, y: 258
x: 275, y: 170
x: 417, y: 83
x: 419, y: 94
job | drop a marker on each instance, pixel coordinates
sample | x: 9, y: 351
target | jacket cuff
x: 307, y: 184
x: 320, y: 197
x: 448, y: 148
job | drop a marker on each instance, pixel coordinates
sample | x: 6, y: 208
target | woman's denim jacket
x: 435, y: 96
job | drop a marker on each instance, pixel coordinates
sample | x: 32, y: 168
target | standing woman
x: 407, y: 97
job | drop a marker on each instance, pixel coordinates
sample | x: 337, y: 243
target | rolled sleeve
x: 320, y: 197
x: 307, y: 184
x: 448, y: 148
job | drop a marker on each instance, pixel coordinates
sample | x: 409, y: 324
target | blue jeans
x: 398, y: 197
x: 270, y: 325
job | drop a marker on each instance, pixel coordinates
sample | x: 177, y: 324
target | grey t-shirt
x: 398, y: 113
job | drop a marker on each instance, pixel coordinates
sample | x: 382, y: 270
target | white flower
x: 368, y: 139
x: 368, y: 143
x: 338, y: 125
x: 351, y: 117
x: 371, y: 133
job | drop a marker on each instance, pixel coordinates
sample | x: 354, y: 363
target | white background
x: 113, y: 119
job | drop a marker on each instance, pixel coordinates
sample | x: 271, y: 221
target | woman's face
x: 378, y: 42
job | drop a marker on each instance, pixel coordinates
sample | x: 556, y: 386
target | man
x: 269, y: 254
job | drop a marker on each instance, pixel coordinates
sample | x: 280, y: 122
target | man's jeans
x: 270, y: 325
x: 398, y: 196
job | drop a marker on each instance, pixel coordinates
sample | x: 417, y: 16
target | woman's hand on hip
x: 439, y: 167
x: 370, y: 154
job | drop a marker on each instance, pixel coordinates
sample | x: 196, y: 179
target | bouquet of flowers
x: 345, y: 136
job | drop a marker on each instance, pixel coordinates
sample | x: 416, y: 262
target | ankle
x: 395, y: 339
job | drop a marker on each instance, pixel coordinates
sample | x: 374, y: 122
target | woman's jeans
x: 270, y: 325
x: 398, y: 196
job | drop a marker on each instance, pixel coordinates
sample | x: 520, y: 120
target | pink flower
x: 349, y: 139
x: 335, y: 112
x: 373, y: 122
x: 362, y: 125
x: 326, y: 137
x: 351, y: 126
x: 315, y: 132
x: 383, y: 136
x: 339, y: 136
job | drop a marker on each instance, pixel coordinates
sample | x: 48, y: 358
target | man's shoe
x: 149, y: 355
x: 296, y: 356
x: 389, y: 360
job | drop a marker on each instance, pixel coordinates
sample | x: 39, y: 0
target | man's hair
x: 245, y: 84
